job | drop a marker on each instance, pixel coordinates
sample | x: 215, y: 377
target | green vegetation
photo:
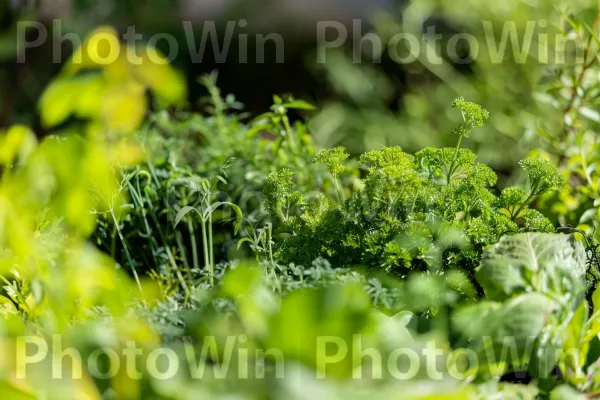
x: 150, y: 250
x: 451, y: 264
x: 431, y: 211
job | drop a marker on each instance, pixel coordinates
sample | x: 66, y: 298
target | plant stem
x: 179, y: 241
x: 154, y: 177
x: 270, y: 240
x: 170, y: 254
x: 113, y: 244
x: 206, y: 256
x: 340, y: 194
x: 452, y: 165
x: 525, y: 203
x: 194, y: 246
x: 414, y: 202
x: 273, y: 265
x: 210, y: 243
x: 290, y: 132
x: 126, y: 248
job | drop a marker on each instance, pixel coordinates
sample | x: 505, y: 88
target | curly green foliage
x: 315, y: 209
x: 473, y: 114
x: 449, y: 164
x: 394, y: 221
x: 511, y: 198
x: 543, y: 175
x: 333, y: 159
x: 387, y: 157
x: 536, y: 221
x: 280, y: 193
x: 432, y: 210
x: 391, y: 178
x: 437, y: 161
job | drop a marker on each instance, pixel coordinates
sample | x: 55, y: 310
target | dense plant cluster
x: 190, y: 184
x: 433, y: 210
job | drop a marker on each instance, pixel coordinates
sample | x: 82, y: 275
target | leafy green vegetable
x: 395, y: 218
x: 536, y: 288
x: 543, y: 263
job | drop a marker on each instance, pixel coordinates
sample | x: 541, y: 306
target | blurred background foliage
x: 363, y: 105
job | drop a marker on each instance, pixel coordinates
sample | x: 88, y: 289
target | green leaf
x: 242, y: 241
x: 507, y: 391
x: 474, y: 320
x: 258, y: 128
x: 540, y: 262
x: 596, y: 299
x: 299, y: 105
x: 524, y: 317
x: 6, y: 302
x: 262, y: 117
x: 507, y: 334
x: 58, y: 102
x: 236, y: 209
x: 182, y: 213
x: 544, y: 357
x: 574, y: 347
